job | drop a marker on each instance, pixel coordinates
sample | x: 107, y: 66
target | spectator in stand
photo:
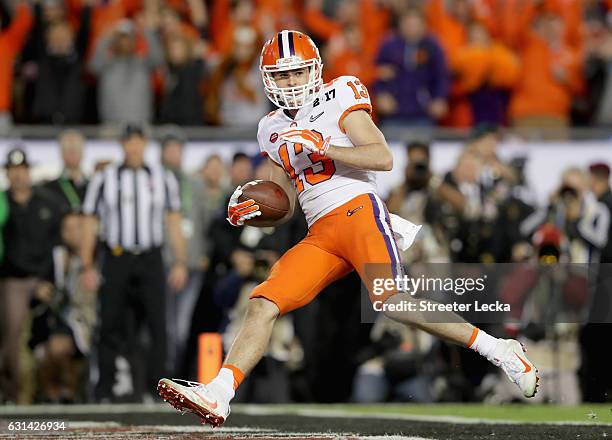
x: 235, y: 96
x: 124, y: 77
x: 597, y: 106
x: 226, y: 18
x: 514, y: 17
x: 367, y: 15
x: 414, y: 80
x: 181, y: 100
x: 448, y: 21
x: 71, y: 185
x: 59, y: 89
x: 275, y: 15
x: 173, y: 24
x: 107, y: 14
x: 213, y: 173
x: 344, y: 56
x: 31, y: 230
x: 485, y: 71
x: 12, y: 39
x: 550, y: 77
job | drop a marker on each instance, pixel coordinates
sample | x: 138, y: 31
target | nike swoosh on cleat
x: 213, y: 405
x: 314, y: 118
x: 527, y: 366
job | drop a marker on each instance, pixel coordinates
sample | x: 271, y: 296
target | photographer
x: 269, y: 381
x: 546, y: 296
x: 579, y: 216
x: 63, y: 320
x: 426, y: 199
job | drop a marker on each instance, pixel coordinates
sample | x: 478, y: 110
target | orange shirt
x: 348, y: 62
x: 515, y: 16
x: 450, y: 32
x: 275, y: 15
x: 538, y: 92
x: 494, y: 65
x: 374, y: 22
x: 12, y: 40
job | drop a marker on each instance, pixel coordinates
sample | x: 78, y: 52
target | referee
x: 131, y: 200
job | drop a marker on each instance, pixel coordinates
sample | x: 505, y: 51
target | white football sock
x: 484, y: 344
x: 223, y: 384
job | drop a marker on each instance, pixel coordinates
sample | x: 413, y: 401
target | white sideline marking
x: 260, y: 410
x: 251, y: 409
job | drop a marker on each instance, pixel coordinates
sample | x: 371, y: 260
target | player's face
x: 291, y: 78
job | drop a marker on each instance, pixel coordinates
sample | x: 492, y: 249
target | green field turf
x: 587, y: 413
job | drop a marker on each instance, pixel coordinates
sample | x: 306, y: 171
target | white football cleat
x: 509, y: 355
x: 196, y: 398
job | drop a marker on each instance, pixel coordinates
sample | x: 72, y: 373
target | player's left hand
x: 311, y: 140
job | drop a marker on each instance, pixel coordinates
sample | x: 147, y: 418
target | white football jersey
x: 322, y: 184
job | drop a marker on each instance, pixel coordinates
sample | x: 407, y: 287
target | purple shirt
x: 421, y: 75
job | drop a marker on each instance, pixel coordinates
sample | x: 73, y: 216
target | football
x: 272, y: 200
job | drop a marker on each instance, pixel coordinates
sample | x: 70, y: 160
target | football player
x: 325, y: 150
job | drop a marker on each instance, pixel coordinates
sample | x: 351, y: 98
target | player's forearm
x: 278, y: 176
x: 88, y: 240
x: 375, y: 156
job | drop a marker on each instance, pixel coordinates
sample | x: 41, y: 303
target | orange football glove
x: 238, y: 213
x: 311, y: 140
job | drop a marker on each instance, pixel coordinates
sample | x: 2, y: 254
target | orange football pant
x: 356, y: 235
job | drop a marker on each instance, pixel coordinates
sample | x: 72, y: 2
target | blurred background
x: 499, y: 114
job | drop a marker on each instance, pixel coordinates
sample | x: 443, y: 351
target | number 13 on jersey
x: 325, y: 168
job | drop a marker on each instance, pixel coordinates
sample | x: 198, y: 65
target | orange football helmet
x: 289, y: 50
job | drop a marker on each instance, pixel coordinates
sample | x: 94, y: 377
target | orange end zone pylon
x: 210, y: 356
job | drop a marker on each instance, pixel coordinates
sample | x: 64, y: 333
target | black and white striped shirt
x: 131, y: 203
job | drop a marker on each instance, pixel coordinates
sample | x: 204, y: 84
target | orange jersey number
x: 362, y: 92
x: 284, y: 155
x: 310, y: 175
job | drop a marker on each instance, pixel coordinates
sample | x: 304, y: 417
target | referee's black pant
x: 132, y: 286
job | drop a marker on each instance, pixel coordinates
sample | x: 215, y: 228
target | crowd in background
x: 480, y: 211
x: 459, y: 63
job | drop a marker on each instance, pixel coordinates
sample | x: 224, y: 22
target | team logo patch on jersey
x: 293, y: 124
x: 273, y: 137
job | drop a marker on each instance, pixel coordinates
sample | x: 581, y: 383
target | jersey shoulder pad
x: 351, y: 95
x: 267, y: 136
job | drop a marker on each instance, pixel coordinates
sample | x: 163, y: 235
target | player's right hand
x: 238, y: 213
